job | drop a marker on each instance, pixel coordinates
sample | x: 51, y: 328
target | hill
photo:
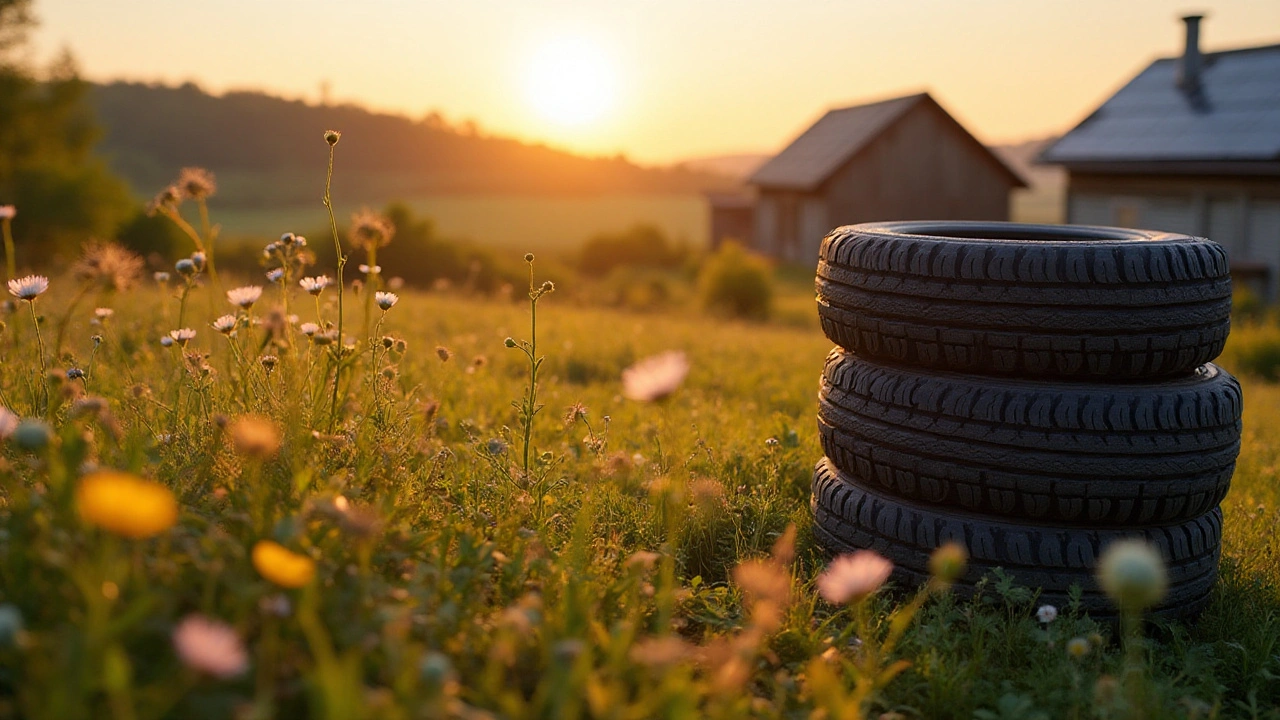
x: 267, y: 151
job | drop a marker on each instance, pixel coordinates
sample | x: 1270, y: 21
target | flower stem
x: 44, y: 384
x: 342, y: 261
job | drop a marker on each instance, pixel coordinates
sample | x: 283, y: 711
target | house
x: 899, y: 159
x: 1190, y: 145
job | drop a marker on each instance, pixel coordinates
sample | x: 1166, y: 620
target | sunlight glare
x: 570, y: 81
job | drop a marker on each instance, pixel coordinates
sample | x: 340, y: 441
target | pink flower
x: 210, y: 646
x: 656, y: 377
x: 849, y: 578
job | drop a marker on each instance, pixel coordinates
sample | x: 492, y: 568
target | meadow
x: 287, y: 517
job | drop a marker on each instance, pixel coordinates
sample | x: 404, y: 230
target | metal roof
x: 1234, y: 117
x: 828, y: 143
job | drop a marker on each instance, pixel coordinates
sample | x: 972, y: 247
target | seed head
x: 1133, y: 574
x: 332, y: 137
x: 196, y: 183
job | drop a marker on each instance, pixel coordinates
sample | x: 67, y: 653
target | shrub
x: 736, y: 282
x: 641, y: 246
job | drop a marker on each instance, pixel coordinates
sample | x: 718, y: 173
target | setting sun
x: 570, y: 81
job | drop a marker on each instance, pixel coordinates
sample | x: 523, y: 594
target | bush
x: 737, y: 283
x: 641, y: 246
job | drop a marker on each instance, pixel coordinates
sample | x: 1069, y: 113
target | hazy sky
x: 659, y: 80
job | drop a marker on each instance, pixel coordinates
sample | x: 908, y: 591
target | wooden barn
x: 899, y: 159
x: 1191, y: 145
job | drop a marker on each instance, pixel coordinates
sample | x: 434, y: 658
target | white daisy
x: 182, y: 336
x: 225, y: 324
x: 385, y: 300
x: 309, y: 328
x: 27, y: 288
x: 314, y: 285
x: 245, y: 296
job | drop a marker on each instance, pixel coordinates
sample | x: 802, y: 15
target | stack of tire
x: 1031, y: 392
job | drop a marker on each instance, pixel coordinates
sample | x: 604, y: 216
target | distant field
x: 526, y: 221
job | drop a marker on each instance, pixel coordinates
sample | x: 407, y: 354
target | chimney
x: 1190, y: 64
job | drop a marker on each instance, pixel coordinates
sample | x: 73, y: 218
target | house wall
x: 921, y: 168
x: 731, y: 223
x: 1240, y: 213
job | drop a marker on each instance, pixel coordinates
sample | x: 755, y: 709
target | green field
x: 519, y: 222
x: 620, y: 569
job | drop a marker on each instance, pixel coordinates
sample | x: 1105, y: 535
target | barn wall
x: 921, y: 168
x: 1240, y: 213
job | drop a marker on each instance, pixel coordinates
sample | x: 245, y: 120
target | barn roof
x: 1233, y: 117
x: 837, y: 136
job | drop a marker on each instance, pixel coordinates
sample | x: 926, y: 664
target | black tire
x: 849, y: 516
x: 1149, y: 453
x: 1027, y: 300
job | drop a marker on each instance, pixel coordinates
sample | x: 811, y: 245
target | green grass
x: 450, y: 591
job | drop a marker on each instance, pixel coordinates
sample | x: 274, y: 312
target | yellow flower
x: 126, y: 504
x: 282, y: 567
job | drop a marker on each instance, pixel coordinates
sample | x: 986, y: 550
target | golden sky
x: 658, y: 80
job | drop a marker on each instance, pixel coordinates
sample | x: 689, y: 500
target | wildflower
x: 385, y: 300
x: 7, y: 212
x: 8, y: 423
x: 328, y: 337
x: 1133, y: 574
x: 495, y: 446
x: 182, y: 336
x: 126, y: 504
x: 656, y: 377
x: 103, y: 313
x: 165, y: 201
x: 166, y: 341
x: 27, y: 288
x: 1078, y: 647
x: 443, y: 353
x: 245, y: 296
x: 573, y: 412
x: 332, y: 137
x: 849, y: 578
x: 196, y: 183
x: 275, y: 275
x: 270, y: 249
x: 75, y: 374
x: 314, y: 285
x: 185, y: 267
x: 255, y: 436
x: 210, y: 646
x: 108, y: 266
x: 309, y: 328
x: 370, y: 230
x: 225, y: 324
x: 268, y: 362
x: 1047, y: 614
x: 282, y: 567
x: 370, y: 270
x: 161, y: 277
x: 947, y: 563
x: 198, y: 259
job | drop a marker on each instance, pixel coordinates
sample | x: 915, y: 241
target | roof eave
x: 1259, y: 168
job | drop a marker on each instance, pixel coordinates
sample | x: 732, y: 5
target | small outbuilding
x: 1190, y: 145
x: 899, y: 159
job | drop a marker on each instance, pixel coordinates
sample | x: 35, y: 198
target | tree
x: 47, y: 131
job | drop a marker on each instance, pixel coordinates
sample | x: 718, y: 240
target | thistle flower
x: 108, y: 266
x: 1047, y: 614
x: 1133, y: 574
x: 182, y: 336
x: 656, y: 377
x: 849, y: 578
x: 7, y: 212
x: 370, y: 270
x: 385, y: 300
x: 370, y: 230
x: 27, y: 288
x: 314, y: 285
x: 196, y: 183
x: 309, y: 328
x: 245, y: 296
x: 126, y: 504
x: 210, y: 646
x: 185, y: 268
x: 275, y: 275
x: 282, y: 567
x: 225, y: 324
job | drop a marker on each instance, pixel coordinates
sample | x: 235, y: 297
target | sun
x: 570, y: 81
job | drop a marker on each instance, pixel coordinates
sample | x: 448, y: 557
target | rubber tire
x: 1025, y: 300
x: 1078, y: 453
x: 849, y: 516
